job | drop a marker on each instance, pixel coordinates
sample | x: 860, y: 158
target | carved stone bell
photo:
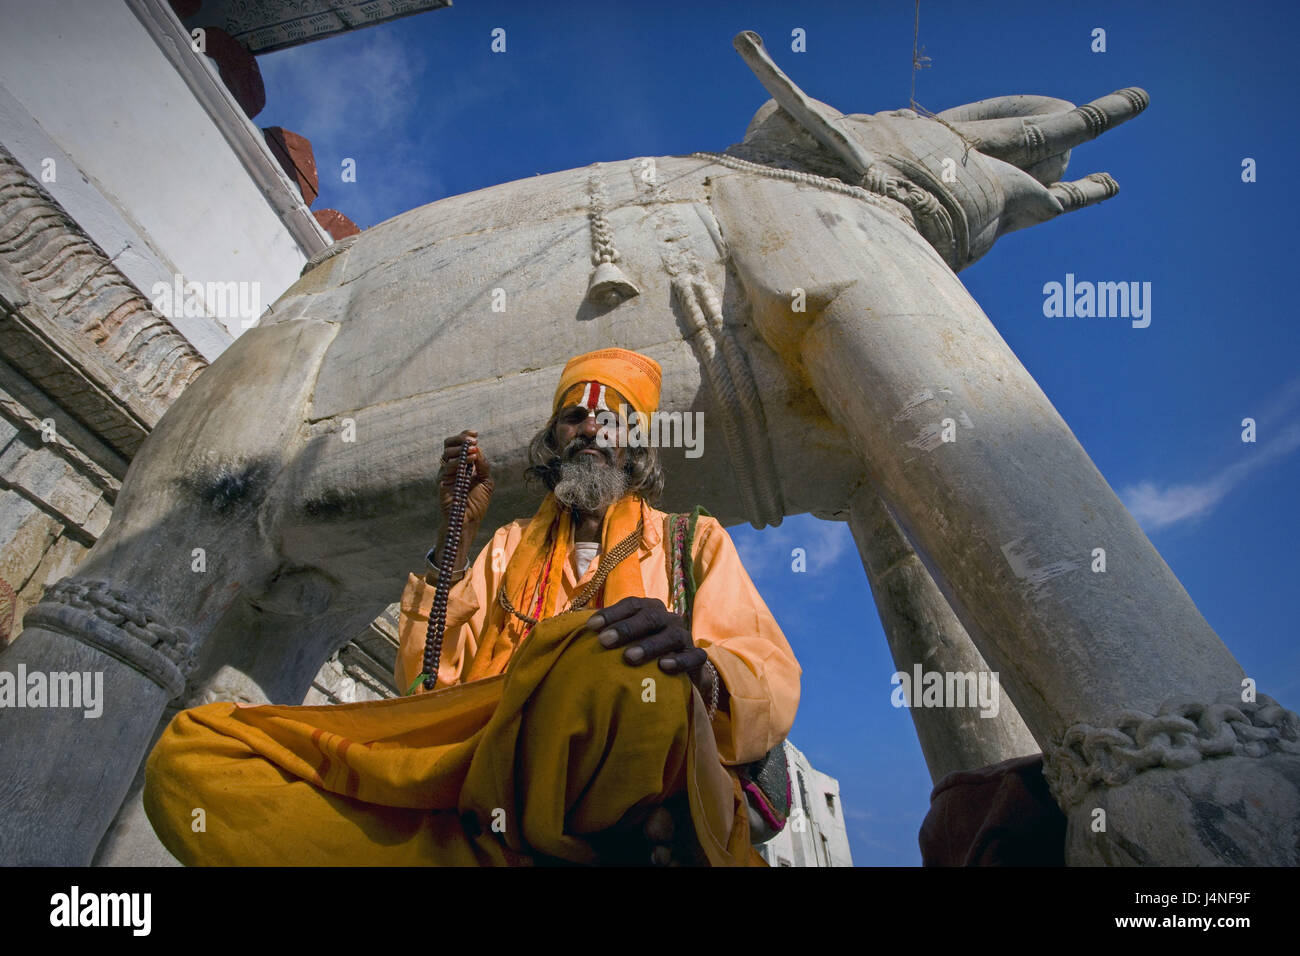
x: 609, y: 286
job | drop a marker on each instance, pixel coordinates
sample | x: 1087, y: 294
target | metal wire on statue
x: 446, y: 567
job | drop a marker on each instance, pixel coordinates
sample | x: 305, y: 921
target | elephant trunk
x: 1025, y: 142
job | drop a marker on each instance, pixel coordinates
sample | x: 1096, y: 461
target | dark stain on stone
x: 829, y: 219
x: 1208, y: 818
x: 331, y: 505
x: 1138, y: 855
x: 224, y: 486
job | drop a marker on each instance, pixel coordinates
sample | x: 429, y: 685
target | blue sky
x: 428, y: 111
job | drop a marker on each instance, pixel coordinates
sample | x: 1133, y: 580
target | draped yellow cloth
x: 536, y: 746
x: 530, y: 766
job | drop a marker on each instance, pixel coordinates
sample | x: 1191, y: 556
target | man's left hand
x: 647, y: 629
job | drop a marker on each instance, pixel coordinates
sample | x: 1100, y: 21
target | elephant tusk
x: 816, y: 118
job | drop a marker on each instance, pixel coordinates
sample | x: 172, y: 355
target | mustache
x: 576, y: 447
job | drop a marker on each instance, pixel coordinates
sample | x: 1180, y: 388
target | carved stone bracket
x: 1183, y: 733
x: 76, y: 327
x: 114, y: 621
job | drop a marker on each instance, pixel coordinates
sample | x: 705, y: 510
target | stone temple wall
x: 54, y: 501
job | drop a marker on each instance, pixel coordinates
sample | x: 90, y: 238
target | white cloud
x: 350, y: 94
x: 365, y: 80
x: 1157, y: 506
x: 768, y: 552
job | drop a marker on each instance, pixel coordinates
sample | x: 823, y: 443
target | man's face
x: 579, y: 432
x: 592, y: 457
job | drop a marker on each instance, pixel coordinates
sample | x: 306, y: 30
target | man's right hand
x: 480, y: 488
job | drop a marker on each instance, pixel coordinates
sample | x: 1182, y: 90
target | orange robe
x: 730, y: 622
x: 538, y: 761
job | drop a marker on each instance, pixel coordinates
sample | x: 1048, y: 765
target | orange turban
x: 634, y: 376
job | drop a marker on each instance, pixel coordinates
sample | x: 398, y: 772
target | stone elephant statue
x: 800, y: 291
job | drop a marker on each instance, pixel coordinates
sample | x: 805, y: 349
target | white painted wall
x: 822, y: 839
x: 141, y: 164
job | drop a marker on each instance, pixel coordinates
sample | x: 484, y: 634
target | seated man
x: 538, y: 744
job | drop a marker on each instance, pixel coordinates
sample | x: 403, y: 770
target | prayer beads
x: 450, y: 555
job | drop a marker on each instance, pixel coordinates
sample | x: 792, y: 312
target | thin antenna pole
x: 916, y: 34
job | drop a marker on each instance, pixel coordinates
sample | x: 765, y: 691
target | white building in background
x: 132, y: 132
x: 815, y: 834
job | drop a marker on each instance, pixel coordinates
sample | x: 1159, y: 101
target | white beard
x: 588, y: 484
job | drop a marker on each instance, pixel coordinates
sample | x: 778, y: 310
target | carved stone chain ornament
x: 607, y: 285
x: 1184, y: 732
x: 113, y: 620
x: 808, y: 179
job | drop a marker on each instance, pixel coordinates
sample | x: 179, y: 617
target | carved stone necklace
x: 608, y: 562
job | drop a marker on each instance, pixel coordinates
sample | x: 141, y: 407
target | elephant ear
x: 775, y: 138
x: 970, y: 117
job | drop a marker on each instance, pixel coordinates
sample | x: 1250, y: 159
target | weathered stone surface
x: 44, y: 475
x: 59, y: 560
x: 15, y: 512
x: 26, y: 534
x: 73, y: 325
x: 1234, y: 811
x: 98, y: 518
x: 922, y: 630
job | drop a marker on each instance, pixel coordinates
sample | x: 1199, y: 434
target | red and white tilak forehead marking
x: 595, y: 396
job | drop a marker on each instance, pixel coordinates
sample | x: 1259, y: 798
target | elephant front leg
x: 132, y: 628
x: 1061, y: 591
x: 105, y: 684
